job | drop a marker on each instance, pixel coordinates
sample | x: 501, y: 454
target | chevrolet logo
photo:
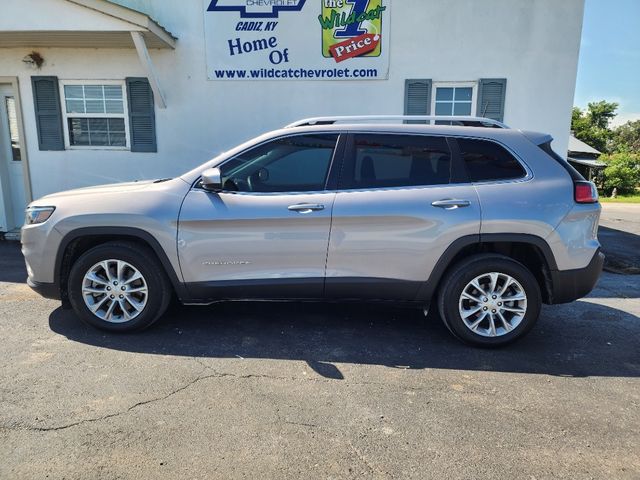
x: 256, y: 8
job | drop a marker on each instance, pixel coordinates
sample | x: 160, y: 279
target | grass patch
x: 621, y: 199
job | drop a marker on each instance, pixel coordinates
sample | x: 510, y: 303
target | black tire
x: 159, y: 288
x: 459, y: 276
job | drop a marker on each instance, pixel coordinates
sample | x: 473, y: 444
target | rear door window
x: 487, y: 161
x: 384, y: 161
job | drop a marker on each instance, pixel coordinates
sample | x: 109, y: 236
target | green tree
x: 601, y: 113
x: 622, y: 172
x: 592, y: 125
x: 626, y: 138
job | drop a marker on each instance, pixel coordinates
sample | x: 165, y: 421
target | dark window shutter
x: 417, y: 97
x: 46, y: 101
x: 142, y: 118
x: 491, y: 93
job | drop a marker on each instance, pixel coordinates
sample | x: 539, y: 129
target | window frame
x: 456, y: 84
x: 331, y: 180
x: 66, y: 116
x: 453, y: 139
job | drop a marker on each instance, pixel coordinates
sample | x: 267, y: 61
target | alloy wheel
x: 492, y: 304
x: 114, y: 291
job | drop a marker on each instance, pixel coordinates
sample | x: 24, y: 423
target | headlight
x: 37, y: 215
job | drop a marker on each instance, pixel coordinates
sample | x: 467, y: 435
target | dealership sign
x: 297, y: 39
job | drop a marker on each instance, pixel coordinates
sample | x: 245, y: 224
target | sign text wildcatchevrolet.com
x: 297, y: 39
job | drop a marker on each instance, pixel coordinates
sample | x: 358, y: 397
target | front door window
x: 290, y: 164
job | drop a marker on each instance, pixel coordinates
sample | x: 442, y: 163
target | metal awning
x: 85, y: 24
x: 587, y: 162
x: 78, y: 24
x: 77, y: 39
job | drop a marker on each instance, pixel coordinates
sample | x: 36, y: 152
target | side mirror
x: 212, y: 180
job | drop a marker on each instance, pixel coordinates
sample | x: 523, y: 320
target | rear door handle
x: 306, y: 207
x: 451, y: 203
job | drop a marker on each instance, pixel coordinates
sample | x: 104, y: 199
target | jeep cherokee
x: 484, y: 222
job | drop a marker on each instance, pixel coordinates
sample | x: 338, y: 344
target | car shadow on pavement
x: 577, y: 340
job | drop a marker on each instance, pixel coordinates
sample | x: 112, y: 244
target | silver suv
x: 482, y: 221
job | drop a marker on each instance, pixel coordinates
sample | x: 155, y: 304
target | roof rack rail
x: 464, y: 121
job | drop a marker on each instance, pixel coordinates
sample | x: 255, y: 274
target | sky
x: 609, y: 66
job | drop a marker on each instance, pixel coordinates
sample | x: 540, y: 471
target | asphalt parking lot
x: 620, y: 236
x: 317, y: 391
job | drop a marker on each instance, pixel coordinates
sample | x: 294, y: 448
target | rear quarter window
x: 487, y: 161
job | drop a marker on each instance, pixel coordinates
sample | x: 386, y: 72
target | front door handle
x: 451, y: 203
x: 306, y: 207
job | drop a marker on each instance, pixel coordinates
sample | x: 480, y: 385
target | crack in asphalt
x: 300, y: 424
x: 111, y: 415
x: 200, y: 377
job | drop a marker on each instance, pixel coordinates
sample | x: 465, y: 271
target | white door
x: 12, y: 193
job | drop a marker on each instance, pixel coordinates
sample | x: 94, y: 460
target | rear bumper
x: 569, y: 285
x: 47, y: 290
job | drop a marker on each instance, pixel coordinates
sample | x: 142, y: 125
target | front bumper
x: 569, y: 285
x: 47, y: 290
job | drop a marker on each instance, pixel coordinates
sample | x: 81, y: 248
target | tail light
x: 585, y: 192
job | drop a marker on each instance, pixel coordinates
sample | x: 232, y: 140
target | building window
x: 10, y: 104
x: 95, y: 115
x: 454, y: 99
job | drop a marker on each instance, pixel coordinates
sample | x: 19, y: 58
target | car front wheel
x: 118, y: 286
x: 489, y: 300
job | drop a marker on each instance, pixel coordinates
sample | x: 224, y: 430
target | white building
x: 97, y: 91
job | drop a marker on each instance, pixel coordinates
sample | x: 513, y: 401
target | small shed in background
x: 584, y: 158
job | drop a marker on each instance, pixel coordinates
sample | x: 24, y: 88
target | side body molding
x: 424, y: 295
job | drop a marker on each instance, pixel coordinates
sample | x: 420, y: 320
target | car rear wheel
x: 119, y: 286
x: 489, y: 300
